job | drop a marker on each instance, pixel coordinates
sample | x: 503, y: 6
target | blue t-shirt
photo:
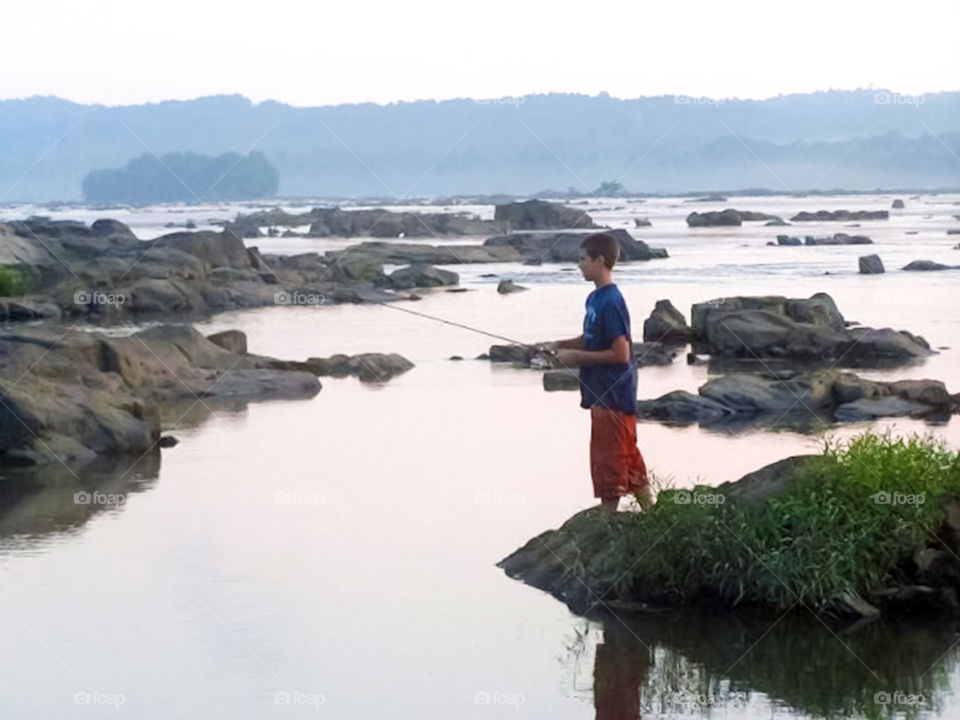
x: 612, y: 385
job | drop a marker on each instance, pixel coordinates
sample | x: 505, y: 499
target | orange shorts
x: 616, y: 465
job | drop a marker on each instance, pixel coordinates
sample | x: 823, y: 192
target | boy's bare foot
x: 610, y: 505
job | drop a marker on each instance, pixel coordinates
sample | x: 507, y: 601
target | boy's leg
x: 606, y: 466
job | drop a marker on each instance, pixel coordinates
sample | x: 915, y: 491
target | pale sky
x: 304, y: 53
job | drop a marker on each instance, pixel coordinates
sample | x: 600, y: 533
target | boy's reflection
x: 619, y: 670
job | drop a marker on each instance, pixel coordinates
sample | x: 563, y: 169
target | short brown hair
x: 602, y: 244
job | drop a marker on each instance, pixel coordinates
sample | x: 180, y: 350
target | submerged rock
x: 840, y: 215
x: 368, y: 367
x: 798, y: 400
x: 507, y: 286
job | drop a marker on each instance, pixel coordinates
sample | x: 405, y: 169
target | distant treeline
x: 183, y: 177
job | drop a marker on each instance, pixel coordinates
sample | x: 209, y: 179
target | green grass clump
x: 11, y: 282
x: 843, y: 523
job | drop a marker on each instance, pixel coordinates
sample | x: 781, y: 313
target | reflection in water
x: 689, y: 663
x: 58, y: 499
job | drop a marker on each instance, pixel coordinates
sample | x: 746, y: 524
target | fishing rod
x: 460, y: 325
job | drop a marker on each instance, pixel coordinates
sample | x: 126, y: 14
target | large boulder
x: 541, y: 215
x: 795, y: 329
x: 666, y: 324
x: 871, y: 265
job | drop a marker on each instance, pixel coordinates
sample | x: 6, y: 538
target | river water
x: 335, y: 557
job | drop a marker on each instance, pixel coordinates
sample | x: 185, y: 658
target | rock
x: 838, y: 239
x: 926, y: 266
x: 787, y: 240
x: 82, y: 394
x: 897, y: 204
x: 167, y: 441
x: 416, y: 254
x: 776, y: 222
x: 642, y: 222
x: 541, y: 215
x: 798, y: 400
x: 654, y: 353
x: 375, y: 222
x: 565, y: 246
x: 953, y: 231
x: 707, y: 198
x: 419, y: 276
x: 233, y: 341
x: 728, y: 217
x: 841, y: 215
x: 222, y: 249
x: 682, y: 408
x: 563, y: 379
x: 512, y: 353
x: 666, y: 324
x: 871, y: 265
x: 795, y: 329
x: 368, y: 367
x: 871, y: 409
x: 508, y: 286
x: 747, y: 393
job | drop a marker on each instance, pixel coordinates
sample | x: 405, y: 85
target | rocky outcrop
x: 835, y: 239
x: 666, y: 324
x: 840, y: 215
x: 565, y: 247
x: 728, y: 218
x: 102, y: 273
x: 540, y: 215
x: 580, y: 565
x: 422, y: 276
x: 71, y: 396
x: 774, y: 327
x: 376, y: 222
x: 799, y: 400
x: 871, y: 265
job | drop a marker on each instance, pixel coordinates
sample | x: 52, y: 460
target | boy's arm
x: 571, y: 344
x: 619, y: 352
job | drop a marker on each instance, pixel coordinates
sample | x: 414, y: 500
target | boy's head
x: 597, y: 252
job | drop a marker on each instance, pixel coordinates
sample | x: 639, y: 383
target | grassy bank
x: 844, y: 522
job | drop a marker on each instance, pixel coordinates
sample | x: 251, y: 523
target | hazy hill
x: 861, y: 139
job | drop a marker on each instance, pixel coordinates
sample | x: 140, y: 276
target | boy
x: 608, y: 378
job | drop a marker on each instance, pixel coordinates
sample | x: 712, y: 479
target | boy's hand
x: 568, y: 358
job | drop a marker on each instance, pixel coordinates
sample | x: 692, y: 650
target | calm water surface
x: 335, y: 557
